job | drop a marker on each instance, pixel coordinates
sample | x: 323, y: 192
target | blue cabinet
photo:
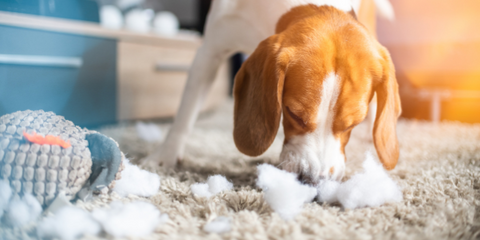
x: 85, y: 10
x: 71, y: 75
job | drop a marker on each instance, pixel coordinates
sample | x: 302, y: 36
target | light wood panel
x: 95, y: 30
x: 146, y: 92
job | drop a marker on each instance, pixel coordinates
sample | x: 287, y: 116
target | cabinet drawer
x: 152, y: 78
x: 71, y: 75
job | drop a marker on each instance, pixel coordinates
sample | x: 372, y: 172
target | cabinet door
x: 152, y: 78
x: 71, y: 75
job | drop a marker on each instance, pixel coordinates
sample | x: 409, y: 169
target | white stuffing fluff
x: 327, y: 191
x: 137, y: 219
x: 166, y: 23
x: 124, y: 4
x: 17, y: 212
x: 111, y: 17
x: 139, y: 20
x: 218, y: 225
x: 200, y: 189
x: 218, y: 183
x: 137, y: 181
x: 371, y: 188
x: 215, y: 184
x: 68, y: 224
x: 22, y: 211
x: 282, y: 191
x: 5, y: 194
x: 148, y: 131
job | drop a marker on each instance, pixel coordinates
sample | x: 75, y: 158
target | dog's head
x: 320, y: 70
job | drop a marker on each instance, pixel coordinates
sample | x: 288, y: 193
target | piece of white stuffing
x: 124, y: 4
x: 5, y: 194
x: 327, y: 191
x: 370, y: 188
x: 282, y: 191
x: 218, y: 225
x: 111, y: 17
x: 139, y: 20
x: 201, y: 190
x: 137, y: 181
x: 68, y: 224
x: 215, y: 184
x: 22, y: 211
x: 218, y: 183
x: 137, y: 219
x: 148, y: 131
x: 166, y: 23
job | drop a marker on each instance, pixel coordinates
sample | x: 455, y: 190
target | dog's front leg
x: 225, y: 34
x: 200, y: 79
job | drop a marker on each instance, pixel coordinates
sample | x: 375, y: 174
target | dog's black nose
x: 307, y: 179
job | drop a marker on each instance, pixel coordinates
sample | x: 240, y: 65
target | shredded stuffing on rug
x: 371, y: 188
x: 5, y: 194
x: 68, y: 223
x: 137, y: 181
x: 218, y: 225
x: 438, y: 174
x: 22, y: 211
x: 16, y: 211
x: 148, y: 132
x: 283, y: 192
x: 327, y: 191
x: 214, y: 185
x: 137, y: 219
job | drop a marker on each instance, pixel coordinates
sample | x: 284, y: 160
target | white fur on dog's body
x: 232, y: 26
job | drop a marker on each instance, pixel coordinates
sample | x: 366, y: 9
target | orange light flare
x: 49, y: 139
x: 435, y: 43
x: 435, y: 46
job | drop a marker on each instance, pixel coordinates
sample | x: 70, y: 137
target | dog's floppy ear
x: 388, y: 110
x: 258, y: 91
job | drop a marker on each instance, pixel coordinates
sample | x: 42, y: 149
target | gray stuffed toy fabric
x: 34, y: 163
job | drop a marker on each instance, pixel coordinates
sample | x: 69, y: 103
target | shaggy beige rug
x: 438, y: 171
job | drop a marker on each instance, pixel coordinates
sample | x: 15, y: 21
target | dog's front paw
x: 312, y: 167
x: 163, y: 156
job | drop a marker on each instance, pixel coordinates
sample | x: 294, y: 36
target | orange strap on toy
x: 49, y: 139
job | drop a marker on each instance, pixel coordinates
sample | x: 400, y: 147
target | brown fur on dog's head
x: 286, y: 74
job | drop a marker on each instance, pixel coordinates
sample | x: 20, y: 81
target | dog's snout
x: 313, y: 179
x: 307, y: 179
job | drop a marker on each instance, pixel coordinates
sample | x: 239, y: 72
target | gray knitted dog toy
x: 61, y: 158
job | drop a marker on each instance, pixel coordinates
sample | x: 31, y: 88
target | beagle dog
x: 311, y: 61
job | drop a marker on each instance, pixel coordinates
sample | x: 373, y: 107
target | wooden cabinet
x: 151, y: 79
x: 93, y: 75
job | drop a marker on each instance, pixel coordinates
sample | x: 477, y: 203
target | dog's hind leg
x: 223, y: 37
